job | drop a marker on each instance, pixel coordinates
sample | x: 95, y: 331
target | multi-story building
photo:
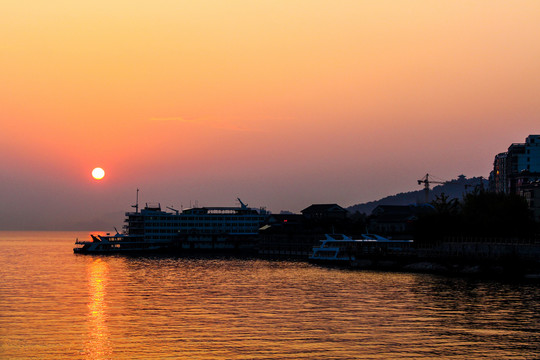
x: 498, y: 176
x: 517, y: 167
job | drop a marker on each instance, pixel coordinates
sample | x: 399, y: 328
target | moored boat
x: 342, y: 249
x: 198, y: 228
x: 118, y: 243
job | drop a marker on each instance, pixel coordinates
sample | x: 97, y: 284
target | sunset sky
x: 282, y: 103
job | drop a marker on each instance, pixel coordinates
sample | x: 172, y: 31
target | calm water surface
x: 58, y: 305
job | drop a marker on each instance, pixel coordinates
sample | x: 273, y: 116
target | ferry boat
x: 118, y: 243
x: 342, y: 249
x: 203, y: 228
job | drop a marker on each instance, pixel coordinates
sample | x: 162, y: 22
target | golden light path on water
x: 57, y: 305
x: 98, y: 344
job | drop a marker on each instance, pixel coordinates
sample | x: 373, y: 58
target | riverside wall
x: 483, y: 248
x: 469, y: 256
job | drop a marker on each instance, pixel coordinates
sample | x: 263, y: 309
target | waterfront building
x: 324, y: 212
x: 294, y: 235
x: 396, y: 221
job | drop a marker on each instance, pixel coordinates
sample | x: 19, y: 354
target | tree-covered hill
x: 453, y: 189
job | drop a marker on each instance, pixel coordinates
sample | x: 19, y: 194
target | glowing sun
x: 98, y: 173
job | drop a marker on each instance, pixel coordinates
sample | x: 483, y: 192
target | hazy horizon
x: 281, y: 103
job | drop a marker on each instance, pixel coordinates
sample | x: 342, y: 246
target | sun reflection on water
x: 98, y: 345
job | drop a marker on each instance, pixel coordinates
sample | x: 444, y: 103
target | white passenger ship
x: 342, y: 249
x: 195, y: 228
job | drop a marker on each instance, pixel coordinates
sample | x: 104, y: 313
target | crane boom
x: 136, y: 206
x: 426, y: 181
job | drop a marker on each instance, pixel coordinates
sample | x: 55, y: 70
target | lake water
x: 58, y: 305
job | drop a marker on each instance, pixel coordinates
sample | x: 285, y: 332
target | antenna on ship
x: 136, y: 206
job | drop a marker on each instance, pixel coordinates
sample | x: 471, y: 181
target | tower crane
x: 136, y: 206
x: 426, y: 181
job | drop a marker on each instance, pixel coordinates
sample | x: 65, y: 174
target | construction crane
x: 426, y: 181
x: 136, y: 206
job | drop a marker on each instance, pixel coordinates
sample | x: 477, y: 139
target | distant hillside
x: 454, y: 189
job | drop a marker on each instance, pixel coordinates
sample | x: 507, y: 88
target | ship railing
x: 124, y: 238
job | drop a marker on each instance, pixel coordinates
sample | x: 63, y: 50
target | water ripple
x: 55, y: 304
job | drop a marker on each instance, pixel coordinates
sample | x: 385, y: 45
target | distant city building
x: 516, y: 168
x: 499, y: 175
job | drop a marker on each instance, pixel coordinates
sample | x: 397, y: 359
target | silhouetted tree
x: 480, y: 213
x: 496, y: 214
x: 445, y: 220
x: 443, y: 206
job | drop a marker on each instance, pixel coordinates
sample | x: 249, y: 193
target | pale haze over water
x: 58, y: 305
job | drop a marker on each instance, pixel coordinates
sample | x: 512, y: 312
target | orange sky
x: 282, y: 103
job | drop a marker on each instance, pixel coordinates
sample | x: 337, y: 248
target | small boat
x: 342, y: 249
x: 118, y: 243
